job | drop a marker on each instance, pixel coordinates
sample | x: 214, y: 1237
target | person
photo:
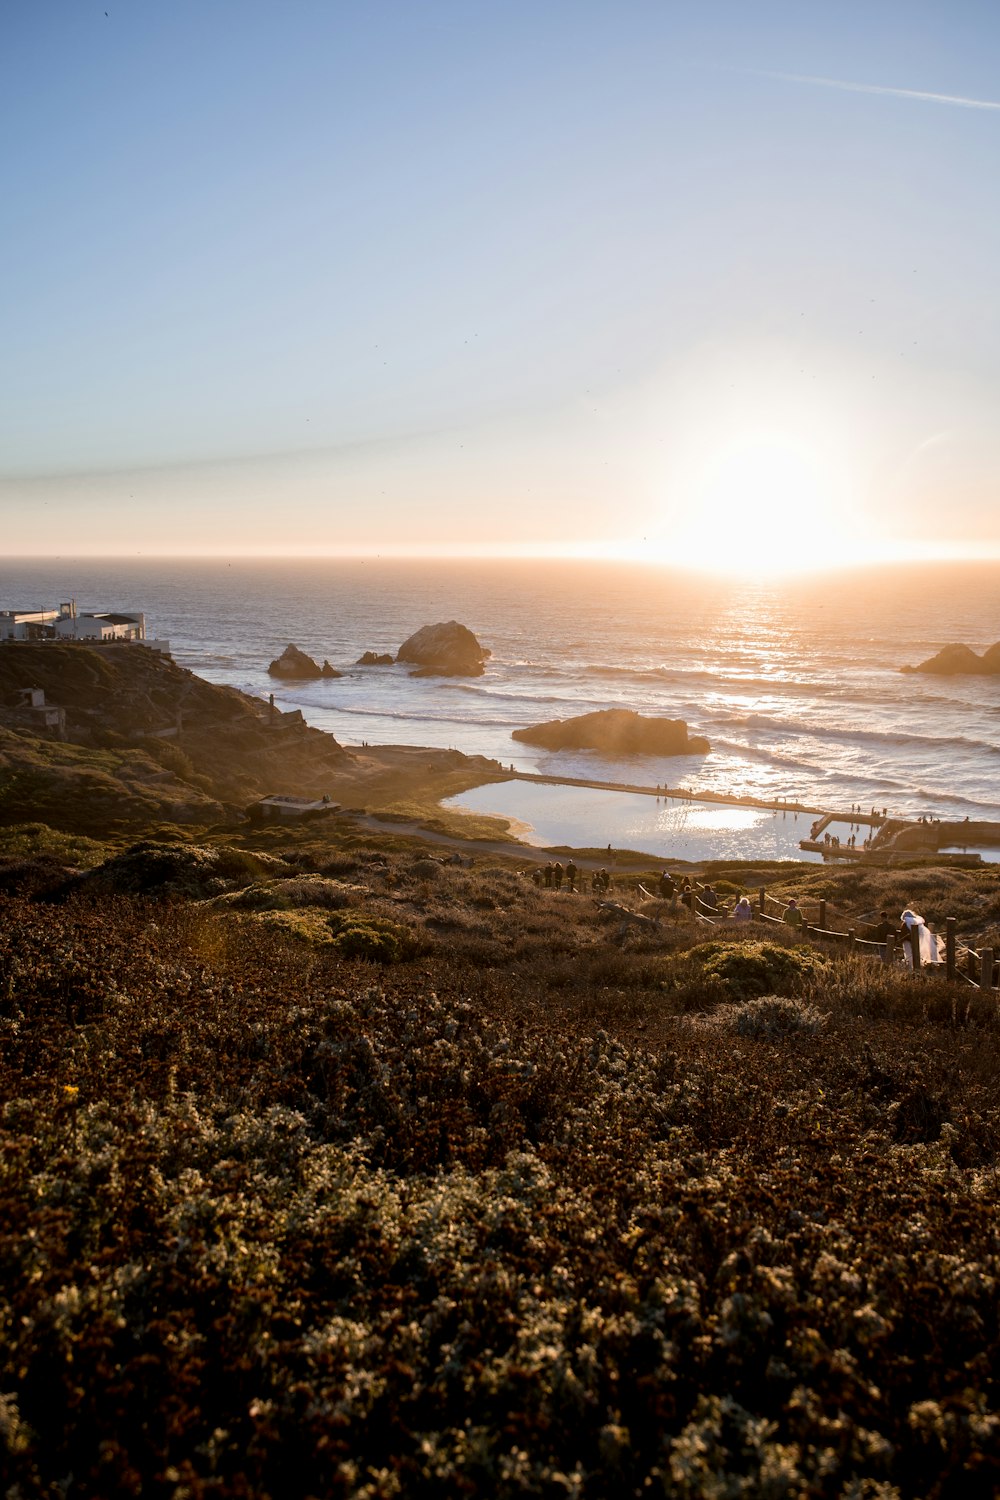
x: 666, y: 887
x: 791, y: 915
x: 557, y: 875
x: 603, y: 879
x: 918, y: 937
x: 882, y: 927
x: 743, y: 911
x: 571, y: 875
x: 548, y: 874
x: 708, y: 898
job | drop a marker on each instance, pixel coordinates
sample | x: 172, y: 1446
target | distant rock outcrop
x: 444, y: 650
x: 961, y: 661
x: 617, y: 731
x: 294, y: 663
x: 373, y: 659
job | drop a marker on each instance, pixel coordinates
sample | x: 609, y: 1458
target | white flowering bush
x: 770, y: 1017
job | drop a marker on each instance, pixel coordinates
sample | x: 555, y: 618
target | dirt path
x: 528, y: 854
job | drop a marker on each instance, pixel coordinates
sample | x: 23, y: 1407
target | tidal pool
x: 668, y: 828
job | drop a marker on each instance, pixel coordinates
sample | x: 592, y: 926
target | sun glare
x: 760, y: 505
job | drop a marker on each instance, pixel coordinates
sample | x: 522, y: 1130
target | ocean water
x: 795, y: 683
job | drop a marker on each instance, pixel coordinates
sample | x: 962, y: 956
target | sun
x: 761, y: 504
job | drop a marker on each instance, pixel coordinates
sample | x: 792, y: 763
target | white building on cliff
x: 67, y: 624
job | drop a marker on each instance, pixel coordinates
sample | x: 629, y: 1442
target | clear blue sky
x: 531, y: 276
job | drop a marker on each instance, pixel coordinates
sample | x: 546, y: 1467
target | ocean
x: 796, y: 683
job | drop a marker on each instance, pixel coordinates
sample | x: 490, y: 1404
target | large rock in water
x: 296, y: 664
x: 961, y: 661
x: 618, y: 731
x: 446, y: 650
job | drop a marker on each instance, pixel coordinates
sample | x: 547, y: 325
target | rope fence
x: 961, y: 963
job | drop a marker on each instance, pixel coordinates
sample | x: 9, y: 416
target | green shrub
x: 758, y: 968
x: 357, y: 934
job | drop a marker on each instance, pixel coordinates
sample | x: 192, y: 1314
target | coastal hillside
x: 341, y: 1168
x: 122, y: 699
x: 135, y: 740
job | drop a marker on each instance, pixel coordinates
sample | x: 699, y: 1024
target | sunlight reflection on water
x: 586, y: 817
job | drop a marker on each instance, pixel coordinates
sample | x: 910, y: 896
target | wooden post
x: 763, y: 898
x: 851, y: 942
x: 890, y: 948
x: 949, y: 946
x: 913, y: 938
x: 986, y: 969
x: 822, y: 913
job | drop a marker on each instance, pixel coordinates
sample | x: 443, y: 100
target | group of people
x: 833, y: 841
x: 704, y: 899
x: 912, y: 932
x: 553, y: 876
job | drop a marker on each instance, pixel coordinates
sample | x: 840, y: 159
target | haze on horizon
x: 709, y: 284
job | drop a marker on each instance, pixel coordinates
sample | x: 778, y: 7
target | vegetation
x: 332, y: 1168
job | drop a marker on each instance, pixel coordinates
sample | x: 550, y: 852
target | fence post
x: 851, y: 941
x: 986, y: 969
x: 763, y: 898
x: 890, y: 948
x: 949, y: 946
x: 913, y: 938
x: 822, y: 913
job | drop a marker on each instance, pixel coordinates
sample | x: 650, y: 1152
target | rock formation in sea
x: 616, y: 731
x: 293, y: 663
x: 961, y: 661
x: 444, y: 650
x: 374, y: 659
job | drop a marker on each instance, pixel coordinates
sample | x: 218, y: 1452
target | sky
x: 713, y: 283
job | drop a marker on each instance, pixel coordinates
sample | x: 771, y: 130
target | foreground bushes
x: 273, y: 1223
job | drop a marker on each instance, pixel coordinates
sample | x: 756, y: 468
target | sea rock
x: 618, y: 731
x: 373, y: 659
x: 961, y: 661
x: 444, y: 650
x: 296, y: 664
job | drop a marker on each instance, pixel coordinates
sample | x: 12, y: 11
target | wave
x: 827, y: 686
x: 767, y: 757
x: 860, y: 736
x: 424, y: 716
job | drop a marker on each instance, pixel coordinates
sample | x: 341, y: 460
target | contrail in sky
x: 879, y: 88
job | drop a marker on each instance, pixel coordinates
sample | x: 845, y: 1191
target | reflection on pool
x: 589, y: 818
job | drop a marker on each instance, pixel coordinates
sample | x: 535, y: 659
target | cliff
x: 145, y: 738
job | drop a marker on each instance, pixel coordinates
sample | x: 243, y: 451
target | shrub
x: 758, y: 968
x: 769, y: 1018
x: 357, y: 934
x: 295, y: 892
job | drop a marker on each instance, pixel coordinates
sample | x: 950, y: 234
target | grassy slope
x: 538, y: 1209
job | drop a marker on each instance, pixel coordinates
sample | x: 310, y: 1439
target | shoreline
x: 907, y: 838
